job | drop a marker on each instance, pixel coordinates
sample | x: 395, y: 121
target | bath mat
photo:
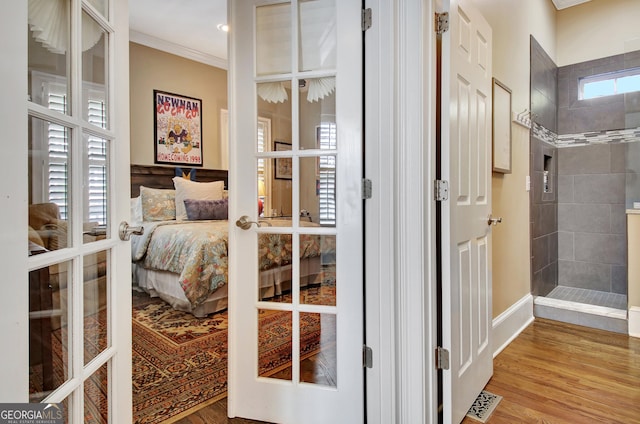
x: 483, y: 406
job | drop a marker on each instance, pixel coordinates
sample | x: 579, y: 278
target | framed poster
x: 177, y: 129
x: 501, y: 127
x: 284, y: 167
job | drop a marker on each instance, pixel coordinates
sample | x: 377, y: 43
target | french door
x: 66, y: 292
x: 298, y: 65
x: 466, y: 224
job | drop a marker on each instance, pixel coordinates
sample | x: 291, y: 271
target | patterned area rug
x: 483, y: 406
x: 180, y: 362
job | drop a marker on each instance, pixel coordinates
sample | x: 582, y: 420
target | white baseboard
x: 634, y: 321
x: 512, y: 322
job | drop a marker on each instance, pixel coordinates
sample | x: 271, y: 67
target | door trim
x: 13, y: 261
x: 400, y: 160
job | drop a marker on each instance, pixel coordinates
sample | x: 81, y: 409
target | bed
x: 184, y: 262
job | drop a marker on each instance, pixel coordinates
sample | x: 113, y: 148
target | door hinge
x: 367, y: 188
x: 442, y: 358
x: 441, y: 190
x: 442, y: 23
x: 367, y: 357
x: 366, y: 19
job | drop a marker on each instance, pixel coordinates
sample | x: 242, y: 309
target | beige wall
x: 512, y: 23
x: 597, y: 29
x: 152, y: 69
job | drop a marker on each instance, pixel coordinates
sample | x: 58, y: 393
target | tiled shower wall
x: 544, y: 206
x: 599, y: 114
x: 579, y: 228
x: 592, y: 249
x: 594, y: 177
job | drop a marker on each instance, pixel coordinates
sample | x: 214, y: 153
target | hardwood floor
x: 562, y: 373
x: 319, y: 368
x: 214, y: 414
x: 552, y: 373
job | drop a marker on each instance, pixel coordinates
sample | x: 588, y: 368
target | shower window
x: 608, y: 84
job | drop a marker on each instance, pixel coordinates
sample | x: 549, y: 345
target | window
x: 620, y: 82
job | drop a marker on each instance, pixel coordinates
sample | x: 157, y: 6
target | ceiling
x: 184, y: 27
x: 189, y: 27
x: 563, y: 4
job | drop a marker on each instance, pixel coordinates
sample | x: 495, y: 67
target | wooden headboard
x: 161, y: 177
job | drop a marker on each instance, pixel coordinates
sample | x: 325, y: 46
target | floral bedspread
x: 198, y: 252
x: 275, y: 249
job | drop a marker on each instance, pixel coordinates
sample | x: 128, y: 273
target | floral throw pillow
x: 158, y: 204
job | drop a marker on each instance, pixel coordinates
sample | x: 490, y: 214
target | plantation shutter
x: 327, y: 188
x: 263, y: 140
x: 58, y: 155
x: 261, y: 145
x: 97, y: 165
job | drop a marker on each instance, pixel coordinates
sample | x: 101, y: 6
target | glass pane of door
x: 96, y: 401
x: 317, y: 113
x: 94, y: 72
x: 95, y: 189
x: 50, y: 186
x: 49, y: 331
x: 275, y: 338
x: 318, y: 269
x: 318, y: 41
x: 49, y: 41
x: 96, y: 325
x: 318, y: 354
x: 102, y: 6
x: 273, y: 36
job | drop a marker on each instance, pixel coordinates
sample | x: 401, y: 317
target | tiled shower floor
x: 591, y: 297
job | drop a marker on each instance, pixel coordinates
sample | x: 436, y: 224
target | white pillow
x: 136, y: 210
x: 187, y: 189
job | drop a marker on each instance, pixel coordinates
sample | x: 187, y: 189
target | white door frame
x: 400, y: 161
x: 13, y: 203
x: 122, y: 406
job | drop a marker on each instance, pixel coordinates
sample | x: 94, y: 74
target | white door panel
x: 67, y: 190
x: 308, y: 87
x: 466, y: 233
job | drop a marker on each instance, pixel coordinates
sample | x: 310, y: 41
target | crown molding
x: 176, y: 49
